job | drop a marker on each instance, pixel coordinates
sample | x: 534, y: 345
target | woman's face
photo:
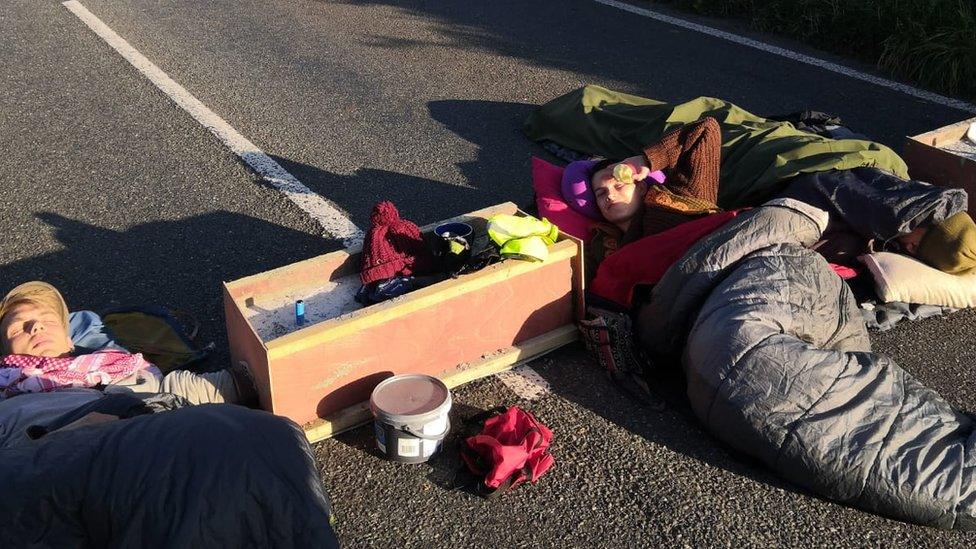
x: 618, y: 202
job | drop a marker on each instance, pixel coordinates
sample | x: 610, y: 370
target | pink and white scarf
x: 37, y: 374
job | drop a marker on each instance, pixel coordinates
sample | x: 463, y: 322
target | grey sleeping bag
x: 215, y: 475
x: 779, y: 366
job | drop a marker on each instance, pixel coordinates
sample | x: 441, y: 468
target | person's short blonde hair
x: 39, y: 293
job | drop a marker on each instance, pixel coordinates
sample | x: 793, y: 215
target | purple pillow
x: 547, y: 181
x: 577, y: 191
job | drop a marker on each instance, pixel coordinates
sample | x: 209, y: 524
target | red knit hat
x: 393, y: 247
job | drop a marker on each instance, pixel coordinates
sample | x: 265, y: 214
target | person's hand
x: 639, y: 166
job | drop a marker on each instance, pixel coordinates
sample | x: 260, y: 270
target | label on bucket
x: 408, y: 447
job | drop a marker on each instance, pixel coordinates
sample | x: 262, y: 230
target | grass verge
x: 929, y: 42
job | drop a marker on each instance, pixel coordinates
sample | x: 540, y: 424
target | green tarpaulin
x: 758, y: 155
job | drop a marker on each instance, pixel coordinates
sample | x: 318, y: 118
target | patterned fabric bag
x: 609, y: 337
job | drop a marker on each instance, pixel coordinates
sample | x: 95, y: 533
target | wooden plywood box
x: 930, y: 159
x: 321, y: 374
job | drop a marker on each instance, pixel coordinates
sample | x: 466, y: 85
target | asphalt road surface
x: 116, y: 195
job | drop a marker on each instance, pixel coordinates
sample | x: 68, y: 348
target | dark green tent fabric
x: 758, y: 155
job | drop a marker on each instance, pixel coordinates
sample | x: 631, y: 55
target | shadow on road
x: 594, y: 43
x: 418, y: 199
x: 576, y: 377
x: 500, y: 173
x: 594, y: 50
x: 444, y: 469
x: 496, y: 128
x: 178, y: 264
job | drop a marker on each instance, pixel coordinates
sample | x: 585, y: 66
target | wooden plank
x: 360, y: 414
x: 937, y: 166
x: 579, y: 278
x: 340, y: 422
x: 347, y: 325
x: 297, y: 275
x: 246, y: 346
x: 503, y: 208
x: 330, y: 266
x: 509, y: 358
x: 323, y: 379
x: 329, y: 367
x: 945, y: 134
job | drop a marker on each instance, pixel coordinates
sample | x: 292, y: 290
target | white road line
x: 525, y: 382
x: 334, y: 222
x: 789, y: 54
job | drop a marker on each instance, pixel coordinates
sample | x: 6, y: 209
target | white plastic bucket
x: 411, y: 414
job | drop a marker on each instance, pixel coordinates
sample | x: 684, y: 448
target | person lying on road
x: 39, y: 356
x: 690, y: 158
x: 632, y: 206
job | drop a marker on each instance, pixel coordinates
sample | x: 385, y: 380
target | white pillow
x: 899, y: 277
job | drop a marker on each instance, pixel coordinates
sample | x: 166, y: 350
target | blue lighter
x: 300, y: 312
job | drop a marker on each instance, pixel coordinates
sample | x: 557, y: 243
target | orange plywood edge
x: 578, y: 281
x: 246, y: 346
x: 452, y: 331
x: 337, y: 328
x: 331, y: 265
x: 945, y: 134
x: 297, y: 275
x: 329, y: 368
x: 360, y: 414
x: 927, y: 162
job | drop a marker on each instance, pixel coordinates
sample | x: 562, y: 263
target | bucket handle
x: 417, y: 434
